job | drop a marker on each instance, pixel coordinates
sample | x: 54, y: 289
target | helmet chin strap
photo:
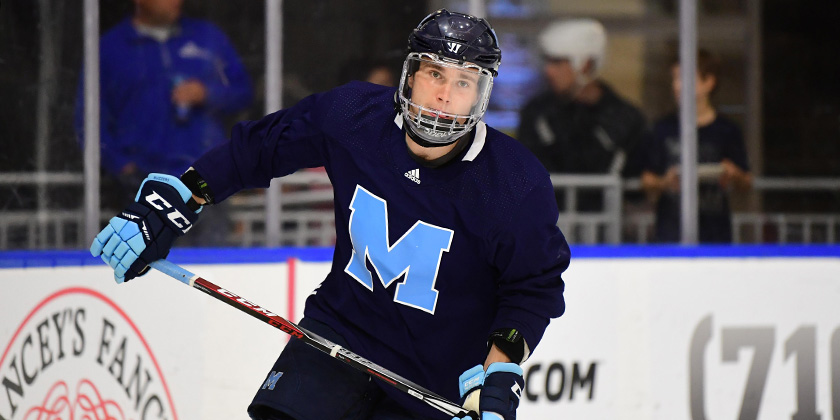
x: 409, y: 129
x: 443, y: 160
x: 582, y: 77
x: 581, y: 80
x: 420, y: 141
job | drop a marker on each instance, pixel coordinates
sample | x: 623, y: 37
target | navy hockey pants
x: 306, y: 384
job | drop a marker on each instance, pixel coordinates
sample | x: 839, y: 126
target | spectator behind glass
x: 580, y: 125
x: 166, y: 83
x: 721, y: 157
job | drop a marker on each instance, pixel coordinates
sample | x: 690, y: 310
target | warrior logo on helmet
x: 454, y: 47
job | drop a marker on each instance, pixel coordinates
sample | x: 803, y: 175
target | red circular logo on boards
x: 78, y: 356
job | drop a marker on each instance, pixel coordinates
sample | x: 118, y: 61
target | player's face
x: 445, y: 89
x: 559, y: 74
x: 442, y: 99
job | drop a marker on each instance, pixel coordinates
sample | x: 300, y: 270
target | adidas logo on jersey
x: 413, y: 175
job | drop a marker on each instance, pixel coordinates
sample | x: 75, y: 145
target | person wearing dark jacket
x: 580, y: 125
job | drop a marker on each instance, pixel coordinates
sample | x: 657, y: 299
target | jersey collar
x: 476, y: 146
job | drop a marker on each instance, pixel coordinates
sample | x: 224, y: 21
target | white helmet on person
x: 577, y: 40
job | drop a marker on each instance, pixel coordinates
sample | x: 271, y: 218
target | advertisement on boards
x: 694, y: 338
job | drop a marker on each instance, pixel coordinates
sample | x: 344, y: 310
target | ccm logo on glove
x: 173, y: 214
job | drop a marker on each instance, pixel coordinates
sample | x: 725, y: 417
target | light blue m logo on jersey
x: 416, y: 254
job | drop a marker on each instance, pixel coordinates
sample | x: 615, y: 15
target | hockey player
x: 447, y: 252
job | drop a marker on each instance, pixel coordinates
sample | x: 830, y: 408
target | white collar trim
x: 478, y: 142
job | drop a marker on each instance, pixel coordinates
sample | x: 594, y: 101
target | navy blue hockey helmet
x: 457, y: 53
x: 459, y: 37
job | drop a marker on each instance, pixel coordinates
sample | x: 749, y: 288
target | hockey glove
x: 469, y: 386
x: 502, y: 389
x: 144, y: 232
x: 498, y: 390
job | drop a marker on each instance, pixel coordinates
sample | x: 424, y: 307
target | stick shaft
x: 358, y: 362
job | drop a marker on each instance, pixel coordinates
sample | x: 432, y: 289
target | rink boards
x: 649, y: 333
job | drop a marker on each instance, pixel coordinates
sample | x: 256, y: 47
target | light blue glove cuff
x: 504, y: 367
x: 179, y: 186
x: 471, y: 379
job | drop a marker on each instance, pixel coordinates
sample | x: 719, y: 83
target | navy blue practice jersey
x: 427, y: 261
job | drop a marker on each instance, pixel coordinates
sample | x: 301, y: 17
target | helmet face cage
x: 441, y: 99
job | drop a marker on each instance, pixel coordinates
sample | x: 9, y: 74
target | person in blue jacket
x: 166, y: 82
x: 447, y: 259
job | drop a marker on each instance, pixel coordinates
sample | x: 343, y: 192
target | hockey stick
x: 358, y: 362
